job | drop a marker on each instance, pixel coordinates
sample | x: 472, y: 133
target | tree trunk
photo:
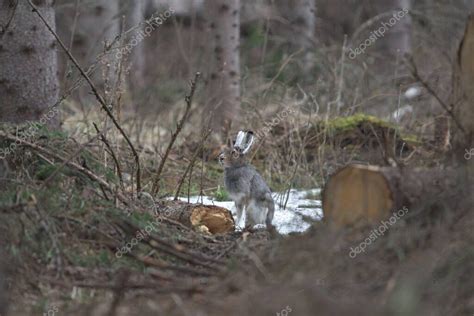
x: 463, y: 128
x: 3, y: 286
x: 397, y: 37
x: 301, y: 14
x: 98, y: 22
x: 224, y: 82
x: 28, y: 64
x: 134, y: 13
x: 371, y: 193
x: 183, y: 8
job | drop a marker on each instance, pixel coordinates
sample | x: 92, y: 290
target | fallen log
x: 209, y: 219
x: 368, y: 193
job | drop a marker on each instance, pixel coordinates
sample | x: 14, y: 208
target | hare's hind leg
x: 270, y: 204
x: 240, y: 210
x: 249, y: 222
x: 255, y: 214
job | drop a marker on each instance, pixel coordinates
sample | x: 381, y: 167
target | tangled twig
x: 112, y: 153
x: 94, y: 90
x: 416, y: 75
x: 67, y: 162
x: 191, y: 164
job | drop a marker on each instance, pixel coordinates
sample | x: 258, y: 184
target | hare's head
x: 235, y: 155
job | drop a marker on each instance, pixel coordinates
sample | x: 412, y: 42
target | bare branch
x: 71, y: 164
x: 191, y: 164
x: 112, y: 153
x: 416, y: 75
x: 189, y: 100
x: 94, y: 90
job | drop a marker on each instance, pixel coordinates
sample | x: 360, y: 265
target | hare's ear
x: 248, y: 142
x: 238, y: 144
x: 239, y: 140
x: 244, y: 141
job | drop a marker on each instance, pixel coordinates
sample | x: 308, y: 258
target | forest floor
x: 60, y: 230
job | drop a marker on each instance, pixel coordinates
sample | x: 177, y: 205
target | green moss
x: 349, y: 122
x: 340, y: 125
x: 411, y: 139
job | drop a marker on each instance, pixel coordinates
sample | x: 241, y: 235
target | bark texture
x: 134, y: 13
x: 397, y: 38
x: 224, y: 82
x: 3, y: 294
x: 98, y: 22
x: 87, y: 27
x: 463, y: 135
x: 301, y: 15
x: 3, y: 283
x: 179, y: 6
x: 28, y: 63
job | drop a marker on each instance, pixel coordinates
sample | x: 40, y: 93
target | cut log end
x: 210, y: 219
x: 357, y: 192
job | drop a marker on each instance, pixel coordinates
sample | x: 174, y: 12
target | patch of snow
x: 398, y: 114
x: 286, y: 220
x: 412, y: 92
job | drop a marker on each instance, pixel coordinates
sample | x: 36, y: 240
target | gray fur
x: 248, y: 190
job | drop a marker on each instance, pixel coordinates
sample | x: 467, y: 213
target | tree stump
x: 371, y: 193
x: 463, y: 129
x: 210, y: 219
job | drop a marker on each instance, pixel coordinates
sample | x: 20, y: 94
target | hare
x: 245, y: 185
